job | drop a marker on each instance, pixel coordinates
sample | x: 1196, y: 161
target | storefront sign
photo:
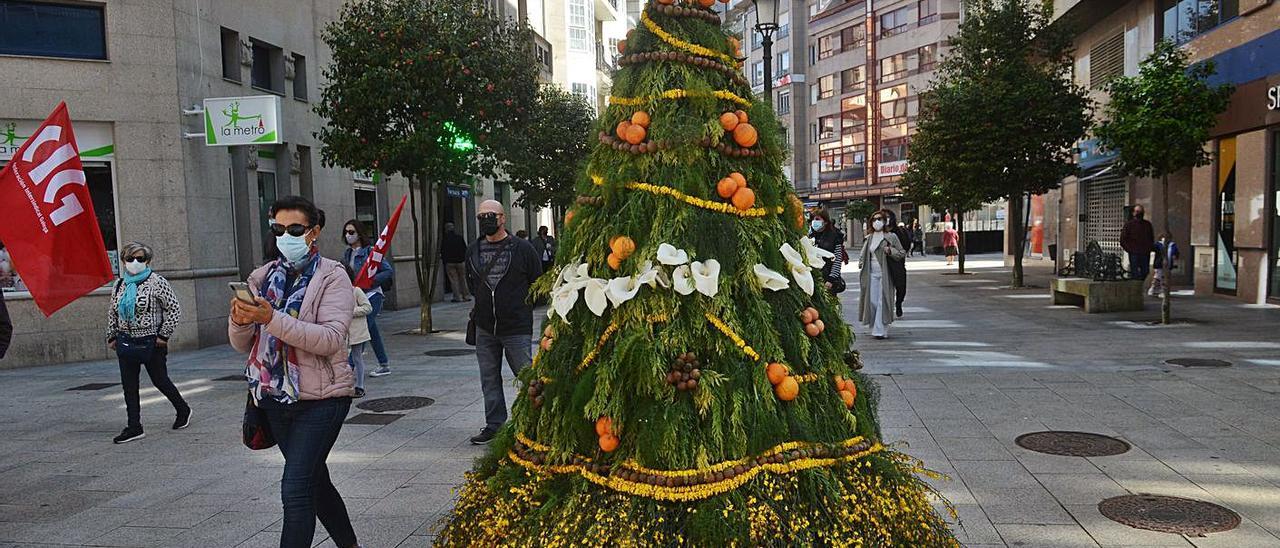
x: 93, y: 139
x: 458, y: 191
x: 890, y: 169
x: 1273, y: 98
x: 242, y: 121
x: 1091, y: 155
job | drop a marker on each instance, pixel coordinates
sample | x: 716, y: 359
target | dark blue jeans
x: 1139, y: 265
x: 305, y: 432
x: 489, y: 351
x: 375, y: 336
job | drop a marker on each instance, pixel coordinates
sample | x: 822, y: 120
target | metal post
x: 768, y: 63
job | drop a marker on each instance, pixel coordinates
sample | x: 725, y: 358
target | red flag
x: 371, y: 266
x: 49, y: 226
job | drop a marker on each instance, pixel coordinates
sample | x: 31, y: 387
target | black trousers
x: 157, y: 369
x: 898, y: 273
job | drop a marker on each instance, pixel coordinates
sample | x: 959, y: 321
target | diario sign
x: 890, y: 169
x: 242, y: 121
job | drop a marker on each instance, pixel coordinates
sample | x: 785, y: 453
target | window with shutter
x: 1106, y: 60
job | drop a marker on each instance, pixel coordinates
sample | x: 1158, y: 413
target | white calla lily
x: 596, y: 293
x: 671, y: 255
x: 682, y: 280
x: 648, y: 274
x: 793, y: 257
x: 804, y: 279
x: 706, y: 276
x: 623, y: 289
x: 770, y: 279
x: 563, y: 299
x: 816, y: 255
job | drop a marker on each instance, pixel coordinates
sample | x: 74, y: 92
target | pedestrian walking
x: 1166, y: 256
x: 898, y: 265
x: 358, y: 333
x: 827, y: 237
x: 545, y: 245
x: 502, y: 268
x: 357, y: 252
x: 917, y: 237
x: 1138, y: 239
x: 143, y: 314
x: 6, y: 328
x: 950, y: 243
x: 453, y: 251
x: 876, y: 287
x: 296, y: 337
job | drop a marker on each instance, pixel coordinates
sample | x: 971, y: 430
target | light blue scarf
x: 129, y: 299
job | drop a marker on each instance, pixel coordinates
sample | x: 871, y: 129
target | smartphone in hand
x: 241, y: 290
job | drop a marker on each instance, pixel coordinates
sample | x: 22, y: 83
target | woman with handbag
x: 827, y: 237
x: 876, y: 283
x: 299, y: 379
x: 357, y: 252
x: 143, y: 315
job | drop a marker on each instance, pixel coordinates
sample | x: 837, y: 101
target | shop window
x: 1183, y: 20
x: 231, y: 55
x: 268, y: 68
x: 299, y: 77
x: 1274, y: 289
x: 367, y: 210
x: 46, y: 29
x: 102, y: 194
x: 927, y: 11
x: 1225, y: 259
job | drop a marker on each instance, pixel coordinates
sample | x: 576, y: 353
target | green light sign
x: 459, y: 141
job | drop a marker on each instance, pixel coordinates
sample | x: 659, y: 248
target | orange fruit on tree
x: 545, y: 344
x: 622, y: 46
x: 742, y: 116
x: 813, y: 314
x: 608, y: 443
x: 787, y: 390
x: 728, y: 121
x: 744, y: 199
x: 621, y: 130
x: 614, y: 261
x: 848, y: 398
x: 726, y: 187
x: 776, y: 373
x: 811, y: 329
x: 640, y: 118
x: 851, y: 388
x: 821, y: 326
x: 622, y: 246
x: 742, y: 181
x: 604, y: 426
x: 568, y: 217
x: 706, y: 3
x: 745, y: 135
x: 635, y: 134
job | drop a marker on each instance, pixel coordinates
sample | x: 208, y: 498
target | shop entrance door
x: 1224, y: 261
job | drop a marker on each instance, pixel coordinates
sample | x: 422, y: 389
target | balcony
x: 604, y: 59
x: 607, y: 10
x: 542, y: 54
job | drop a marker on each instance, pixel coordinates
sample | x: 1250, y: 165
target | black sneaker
x: 484, y: 437
x: 899, y: 311
x: 129, y: 434
x: 359, y: 393
x: 183, y: 420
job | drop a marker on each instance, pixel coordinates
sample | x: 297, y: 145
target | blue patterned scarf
x: 126, y: 307
x: 273, y: 368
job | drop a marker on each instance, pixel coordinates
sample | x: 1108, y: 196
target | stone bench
x: 1097, y: 296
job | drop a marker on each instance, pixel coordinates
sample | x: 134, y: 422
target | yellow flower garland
x: 681, y: 44
x: 725, y: 465
x: 806, y: 378
x: 737, y: 341
x: 718, y: 207
x: 678, y: 94
x: 604, y: 338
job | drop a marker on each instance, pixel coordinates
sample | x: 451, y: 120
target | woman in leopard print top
x: 143, y: 315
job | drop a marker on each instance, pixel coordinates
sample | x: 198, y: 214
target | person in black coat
x: 827, y: 237
x: 6, y: 328
x: 453, y: 251
x: 898, y: 267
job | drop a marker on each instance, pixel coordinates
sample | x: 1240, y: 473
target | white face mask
x: 877, y: 225
x: 352, y: 239
x: 134, y: 267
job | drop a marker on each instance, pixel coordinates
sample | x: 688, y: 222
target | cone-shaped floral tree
x: 695, y: 384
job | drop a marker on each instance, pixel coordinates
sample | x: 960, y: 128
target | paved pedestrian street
x: 969, y: 368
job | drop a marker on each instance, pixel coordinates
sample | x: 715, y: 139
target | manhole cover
x: 1198, y: 362
x: 450, y: 352
x: 373, y: 418
x: 92, y: 386
x: 1072, y: 444
x: 1169, y: 514
x: 398, y: 403
x: 239, y: 377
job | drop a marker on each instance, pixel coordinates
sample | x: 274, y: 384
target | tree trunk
x: 960, y: 240
x: 424, y: 306
x: 1015, y: 215
x: 1166, y: 312
x: 426, y: 238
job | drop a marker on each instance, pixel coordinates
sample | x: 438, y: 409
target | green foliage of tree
x: 408, y: 79
x: 556, y: 143
x: 1005, y: 112
x: 1158, y: 121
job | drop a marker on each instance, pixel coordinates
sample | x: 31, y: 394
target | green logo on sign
x: 10, y: 136
x: 233, y: 126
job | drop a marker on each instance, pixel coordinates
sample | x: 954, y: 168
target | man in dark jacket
x: 1138, y: 239
x: 453, y: 251
x: 501, y: 267
x: 6, y: 328
x: 898, y: 268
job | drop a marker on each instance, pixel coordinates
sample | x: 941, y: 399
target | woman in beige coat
x: 876, y: 286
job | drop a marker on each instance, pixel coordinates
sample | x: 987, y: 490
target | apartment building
x: 1224, y: 215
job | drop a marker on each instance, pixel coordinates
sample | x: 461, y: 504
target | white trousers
x: 876, y: 294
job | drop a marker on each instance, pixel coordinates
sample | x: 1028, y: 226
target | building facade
x: 1224, y: 215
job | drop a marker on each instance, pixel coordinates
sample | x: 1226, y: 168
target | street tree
x: 1012, y: 110
x: 1158, y: 121
x: 555, y: 146
x: 437, y: 91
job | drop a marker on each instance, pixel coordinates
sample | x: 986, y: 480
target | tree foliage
x: 409, y: 81
x: 556, y: 143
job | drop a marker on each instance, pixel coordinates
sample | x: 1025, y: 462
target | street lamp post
x: 766, y: 25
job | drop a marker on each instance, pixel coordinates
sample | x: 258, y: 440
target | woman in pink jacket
x: 296, y: 337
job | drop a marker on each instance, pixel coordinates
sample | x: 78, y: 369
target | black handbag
x: 255, y: 433
x: 837, y: 285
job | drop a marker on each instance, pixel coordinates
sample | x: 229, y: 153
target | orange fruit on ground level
x: 742, y: 116
x: 788, y: 389
x: 745, y: 135
x: 604, y: 426
x: 608, y: 443
x: 614, y: 261
x: 776, y: 373
x: 726, y: 187
x: 640, y: 118
x: 848, y: 398
x: 635, y: 134
x: 811, y: 329
x: 728, y: 121
x: 622, y: 246
x: 742, y: 181
x: 744, y: 199
x: 621, y: 129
